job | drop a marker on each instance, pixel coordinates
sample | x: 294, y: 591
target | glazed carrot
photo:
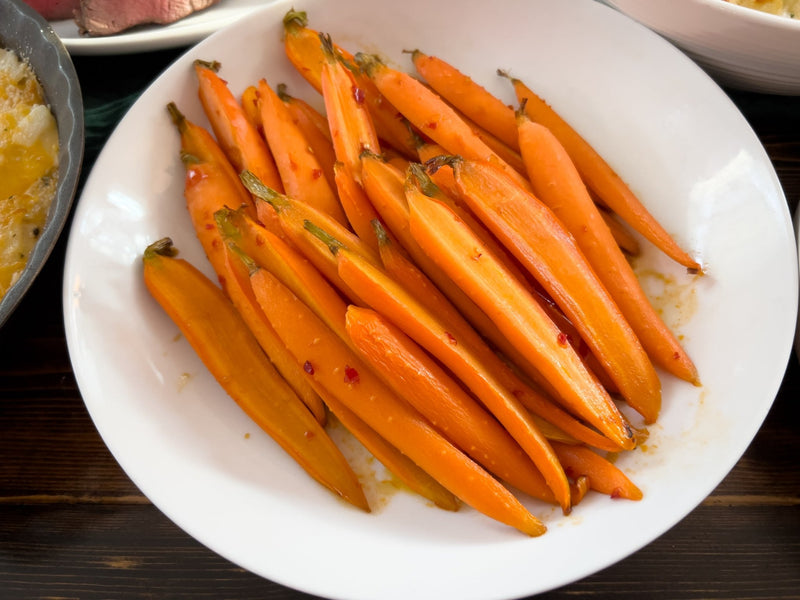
x: 601, y: 474
x: 249, y: 102
x: 532, y: 232
x: 405, y: 273
x: 292, y: 215
x: 558, y: 184
x: 472, y: 99
x: 382, y: 293
x: 301, y: 173
x: 415, y: 377
x: 352, y: 131
x: 304, y: 52
x: 600, y: 177
x: 221, y: 339
x: 315, y: 129
x: 402, y: 467
x: 208, y: 187
x: 624, y: 238
x: 331, y: 363
x: 430, y: 114
x: 516, y: 314
x: 198, y: 143
x: 360, y: 213
x: 240, y: 141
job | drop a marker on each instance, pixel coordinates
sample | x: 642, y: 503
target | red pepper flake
x: 616, y: 493
x: 210, y: 226
x: 308, y: 368
x: 477, y: 256
x: 431, y: 125
x: 293, y: 165
x: 517, y: 393
x: 351, y: 375
x: 216, y: 243
x: 260, y: 240
x: 358, y: 95
x: 193, y: 176
x: 563, y: 338
x: 676, y: 355
x: 450, y: 338
x: 309, y: 434
x: 316, y: 173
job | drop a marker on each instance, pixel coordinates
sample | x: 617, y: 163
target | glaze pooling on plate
x: 636, y: 99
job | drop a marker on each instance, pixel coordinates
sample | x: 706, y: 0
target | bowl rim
x: 30, y: 36
x: 754, y: 14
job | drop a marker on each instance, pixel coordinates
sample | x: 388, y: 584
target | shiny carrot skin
x: 240, y: 141
x: 208, y: 187
x: 430, y: 114
x: 300, y: 172
x: 222, y: 340
x: 416, y: 377
x: 352, y: 130
x: 331, y: 363
x: 315, y: 129
x: 516, y: 314
x: 249, y: 102
x: 360, y: 212
x: 414, y: 281
x: 396, y: 304
x: 303, y: 49
x: 624, y: 238
x: 601, y: 178
x: 292, y: 214
x: 532, y: 232
x: 558, y: 184
x: 472, y: 99
x: 601, y: 474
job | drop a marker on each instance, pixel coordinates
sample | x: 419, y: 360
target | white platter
x: 187, y: 31
x: 660, y: 121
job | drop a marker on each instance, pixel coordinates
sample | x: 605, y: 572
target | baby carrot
x: 360, y: 212
x: 430, y: 114
x: 405, y: 273
x: 516, y: 314
x: 352, y: 130
x: 601, y: 474
x: 331, y: 363
x: 549, y: 252
x: 249, y: 102
x: 221, y: 339
x: 600, y: 177
x: 469, y: 97
x: 208, y: 186
x: 415, y: 377
x: 300, y: 171
x: 396, y: 304
x: 558, y: 184
x: 624, y: 238
x: 240, y: 141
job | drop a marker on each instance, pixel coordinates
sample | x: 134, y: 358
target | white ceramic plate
x: 156, y: 37
x: 661, y: 122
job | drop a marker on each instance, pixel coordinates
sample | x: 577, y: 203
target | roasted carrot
x: 543, y: 245
x: 208, y: 187
x: 430, y: 114
x: 402, y: 467
x: 305, y: 53
x: 240, y: 141
x: 360, y: 212
x: 352, y: 130
x: 382, y: 293
x: 415, y: 377
x: 600, y: 177
x: 314, y: 126
x: 292, y: 215
x: 602, y: 475
x: 472, y: 99
x: 331, y: 363
x: 414, y: 281
x: 300, y: 172
x: 558, y: 184
x: 252, y: 113
x: 516, y: 314
x: 223, y: 342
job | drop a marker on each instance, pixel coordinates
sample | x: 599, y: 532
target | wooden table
x: 72, y: 525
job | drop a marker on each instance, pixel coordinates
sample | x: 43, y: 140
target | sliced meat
x: 54, y: 10
x: 106, y: 17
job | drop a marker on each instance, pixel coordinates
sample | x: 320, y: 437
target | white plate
x: 157, y: 37
x: 662, y: 123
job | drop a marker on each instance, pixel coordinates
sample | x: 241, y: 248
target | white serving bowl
x: 740, y: 47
